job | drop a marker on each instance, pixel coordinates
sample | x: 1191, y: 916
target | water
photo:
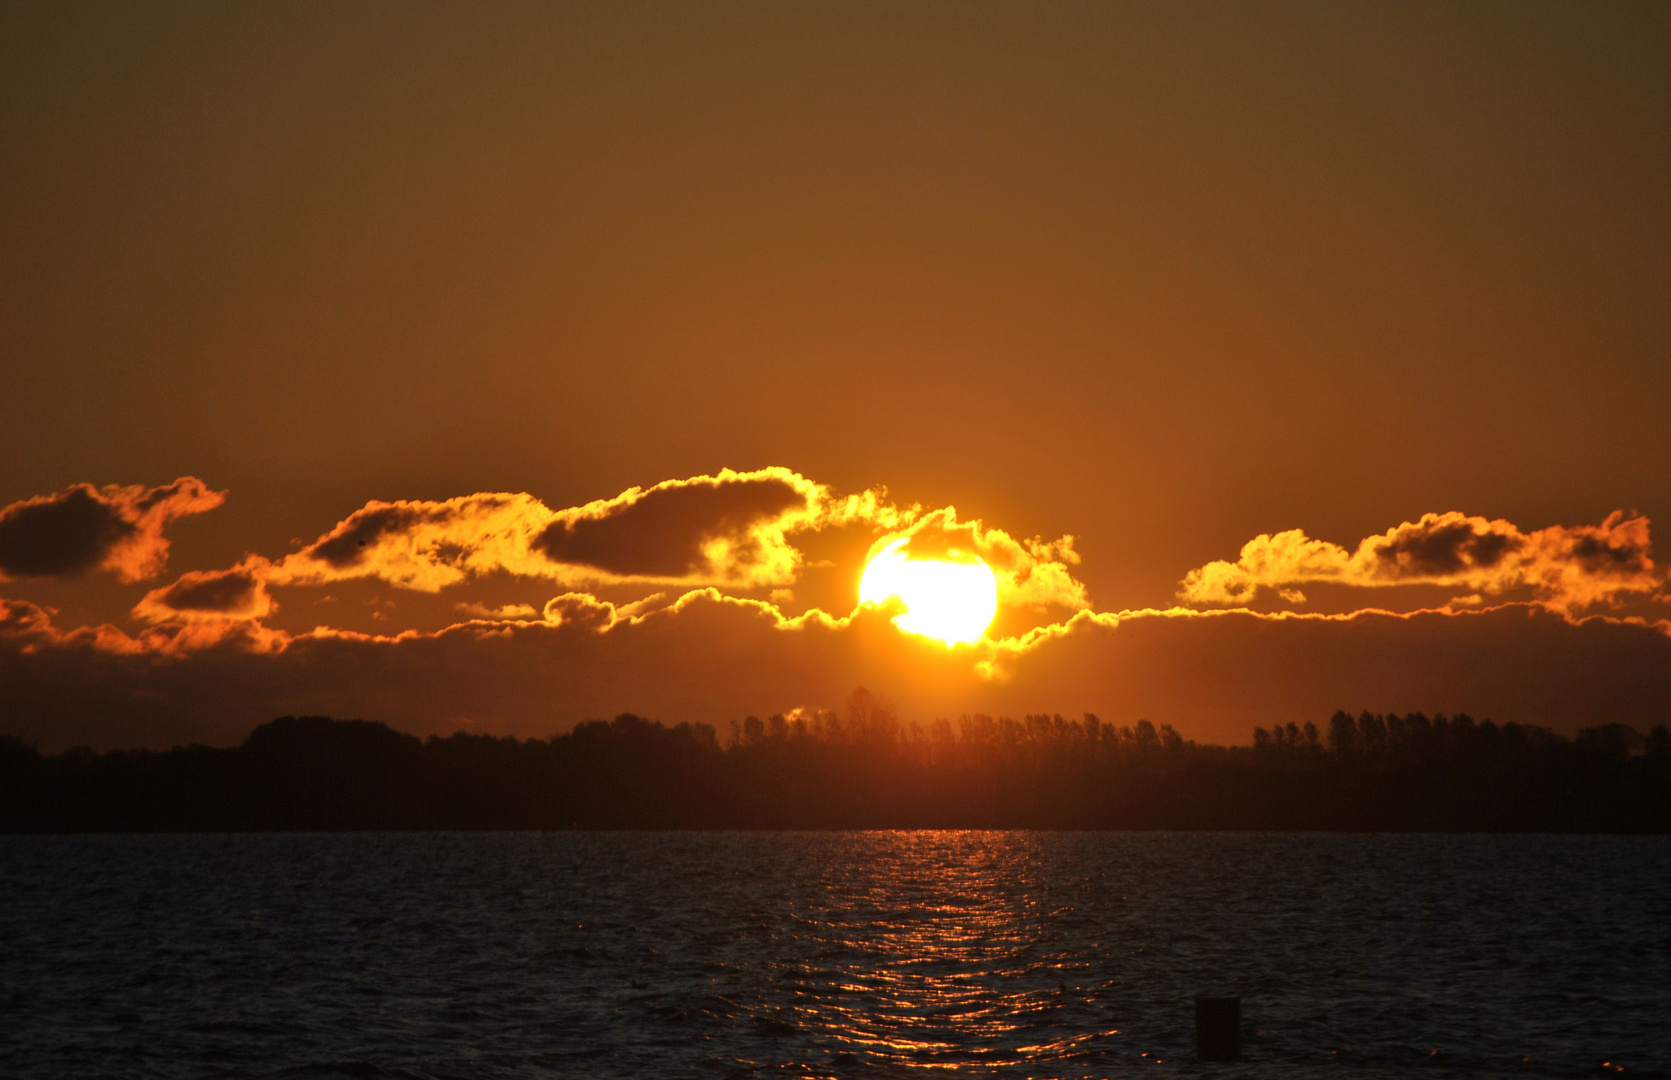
x: 830, y: 954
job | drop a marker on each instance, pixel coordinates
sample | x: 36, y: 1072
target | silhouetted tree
x: 867, y: 769
x: 1343, y: 733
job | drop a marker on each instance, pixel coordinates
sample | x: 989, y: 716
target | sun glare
x: 952, y: 599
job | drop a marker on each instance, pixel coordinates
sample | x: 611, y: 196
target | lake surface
x: 830, y: 954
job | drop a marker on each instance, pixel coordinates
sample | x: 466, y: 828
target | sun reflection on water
x: 931, y: 951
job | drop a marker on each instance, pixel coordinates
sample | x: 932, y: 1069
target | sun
x: 950, y: 597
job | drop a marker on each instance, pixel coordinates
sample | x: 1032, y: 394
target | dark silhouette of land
x: 864, y: 770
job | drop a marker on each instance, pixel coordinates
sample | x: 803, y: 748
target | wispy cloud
x: 501, y: 613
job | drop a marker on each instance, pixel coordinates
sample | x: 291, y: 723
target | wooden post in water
x: 1218, y: 1028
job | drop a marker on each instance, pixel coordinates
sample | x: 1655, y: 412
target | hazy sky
x: 1161, y: 277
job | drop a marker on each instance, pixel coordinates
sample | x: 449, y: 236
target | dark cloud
x: 83, y: 528
x: 238, y: 593
x: 424, y: 545
x: 1216, y: 675
x: 725, y: 529
x: 207, y: 667
x: 346, y: 544
x: 667, y: 531
x: 221, y: 592
x: 713, y: 659
x: 1440, y: 548
x: 59, y: 535
x: 1612, y: 551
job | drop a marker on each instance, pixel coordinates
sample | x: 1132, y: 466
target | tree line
x: 864, y: 769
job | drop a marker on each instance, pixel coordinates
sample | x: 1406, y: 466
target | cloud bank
x: 709, y: 560
x: 712, y: 658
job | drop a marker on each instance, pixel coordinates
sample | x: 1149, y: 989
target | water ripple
x: 829, y: 954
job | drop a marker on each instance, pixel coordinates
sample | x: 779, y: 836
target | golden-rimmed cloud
x: 714, y: 658
x: 117, y: 529
x: 728, y: 529
x: 709, y: 637
x: 424, y: 545
x: 737, y: 531
x: 212, y: 595
x: 1035, y: 573
x: 1565, y: 568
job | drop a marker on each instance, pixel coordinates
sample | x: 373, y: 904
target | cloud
x: 734, y: 530
x: 425, y: 546
x: 1031, y: 573
x: 28, y: 629
x: 211, y: 595
x: 19, y: 619
x: 1566, y: 569
x: 714, y: 658
x: 115, y: 528
x: 711, y: 642
x: 726, y: 529
x: 504, y: 611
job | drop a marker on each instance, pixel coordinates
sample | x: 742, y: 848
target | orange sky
x: 1162, y: 280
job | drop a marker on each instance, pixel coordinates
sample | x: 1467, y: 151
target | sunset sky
x: 498, y: 367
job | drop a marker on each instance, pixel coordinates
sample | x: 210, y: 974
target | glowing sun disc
x: 953, y: 600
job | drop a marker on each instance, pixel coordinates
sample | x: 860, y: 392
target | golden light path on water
x: 924, y: 954
x: 951, y: 598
